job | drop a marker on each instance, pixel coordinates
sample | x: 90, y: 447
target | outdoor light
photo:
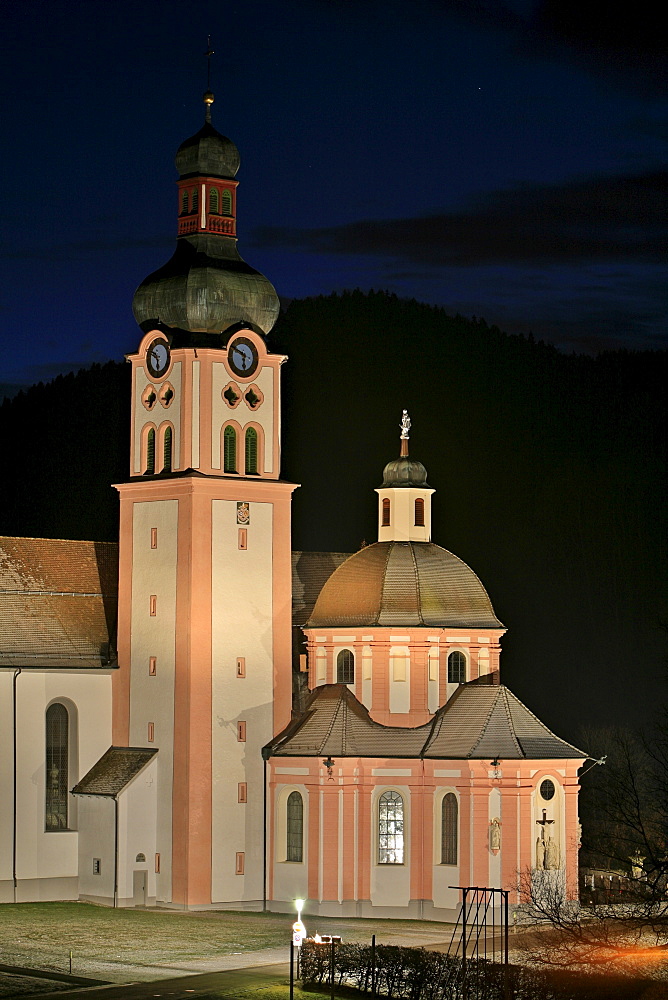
x: 329, y: 764
x: 496, y: 764
x: 299, y: 903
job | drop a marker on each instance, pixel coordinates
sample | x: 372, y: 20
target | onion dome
x: 207, y: 152
x: 206, y: 287
x: 403, y: 584
x: 405, y: 471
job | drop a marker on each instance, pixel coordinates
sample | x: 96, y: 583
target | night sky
x: 504, y: 160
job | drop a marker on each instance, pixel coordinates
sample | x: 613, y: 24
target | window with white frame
x: 345, y: 667
x: 295, y: 828
x: 457, y: 668
x: 390, y: 829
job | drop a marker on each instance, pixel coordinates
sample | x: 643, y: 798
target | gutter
x: 14, y: 762
x: 115, y: 851
x: 266, y: 752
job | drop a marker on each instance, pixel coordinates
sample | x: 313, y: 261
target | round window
x: 547, y: 789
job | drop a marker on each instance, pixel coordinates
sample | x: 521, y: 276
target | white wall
x: 152, y: 698
x: 137, y: 827
x: 241, y: 626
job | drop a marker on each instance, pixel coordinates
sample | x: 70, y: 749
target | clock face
x: 157, y: 358
x: 242, y: 357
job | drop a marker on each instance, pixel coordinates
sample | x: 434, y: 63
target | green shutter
x: 230, y: 450
x: 251, y: 452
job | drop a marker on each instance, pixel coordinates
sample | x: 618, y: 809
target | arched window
x: 226, y: 202
x: 150, y: 452
x: 167, y: 450
x: 57, y: 753
x: 295, y: 828
x: 449, y: 829
x: 456, y: 668
x: 230, y: 450
x: 390, y: 829
x: 213, y: 200
x: 184, y: 202
x: 386, y: 513
x: 345, y: 667
x: 194, y: 199
x: 419, y: 512
x: 251, y: 452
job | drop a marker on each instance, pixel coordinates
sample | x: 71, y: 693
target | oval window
x: 547, y: 789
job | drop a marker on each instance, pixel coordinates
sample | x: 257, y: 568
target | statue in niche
x: 551, y: 854
x: 540, y: 853
x: 495, y: 834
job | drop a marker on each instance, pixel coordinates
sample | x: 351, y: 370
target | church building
x: 151, y: 748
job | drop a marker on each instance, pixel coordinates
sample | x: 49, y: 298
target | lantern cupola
x: 404, y: 499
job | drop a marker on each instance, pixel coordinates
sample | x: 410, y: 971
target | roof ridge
x: 539, y: 721
x: 485, y: 723
x: 390, y: 547
x: 417, y: 582
x: 335, y: 716
x: 511, y: 724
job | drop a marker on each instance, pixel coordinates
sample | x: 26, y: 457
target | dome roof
x: 405, y: 471
x: 206, y: 287
x: 403, y: 584
x: 208, y: 152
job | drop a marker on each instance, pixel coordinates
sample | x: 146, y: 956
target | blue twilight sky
x: 502, y: 158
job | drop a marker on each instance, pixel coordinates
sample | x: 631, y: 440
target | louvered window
x: 456, y: 668
x: 57, y: 753
x: 227, y: 202
x: 295, y: 827
x: 230, y: 450
x: 167, y: 451
x: 251, y: 452
x: 419, y: 512
x: 449, y: 829
x: 194, y: 199
x: 213, y: 200
x: 345, y: 667
x: 150, y: 452
x: 386, y: 513
x: 184, y: 203
x: 390, y: 829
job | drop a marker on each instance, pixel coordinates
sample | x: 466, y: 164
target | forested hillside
x: 549, y: 472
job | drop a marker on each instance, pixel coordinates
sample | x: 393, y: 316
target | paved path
x: 229, y: 983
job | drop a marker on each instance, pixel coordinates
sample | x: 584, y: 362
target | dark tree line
x: 549, y: 471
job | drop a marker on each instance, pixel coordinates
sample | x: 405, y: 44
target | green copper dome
x: 208, y: 152
x: 405, y: 471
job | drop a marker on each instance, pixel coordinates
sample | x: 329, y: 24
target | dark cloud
x: 596, y: 219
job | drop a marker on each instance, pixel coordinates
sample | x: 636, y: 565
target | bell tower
x: 205, y: 574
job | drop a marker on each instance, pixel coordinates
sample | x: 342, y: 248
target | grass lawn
x: 40, y: 935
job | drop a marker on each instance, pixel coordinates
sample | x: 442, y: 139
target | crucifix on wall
x: 545, y: 848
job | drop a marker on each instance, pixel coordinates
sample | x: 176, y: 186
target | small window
x: 150, y: 736
x: 157, y: 864
x: 456, y: 668
x: 386, y: 513
x: 57, y: 765
x: 97, y: 866
x: 154, y: 538
x: 229, y: 449
x: 251, y: 452
x: 167, y: 450
x: 295, y: 828
x: 243, y: 538
x: 213, y: 200
x: 242, y: 792
x: 241, y: 863
x: 184, y: 203
x: 345, y: 667
x: 241, y: 732
x: 194, y: 199
x: 390, y: 829
x: 547, y: 789
x: 140, y: 858
x: 226, y: 202
x: 449, y: 829
x: 150, y: 452
x: 153, y: 605
x: 152, y: 666
x: 419, y: 512
x: 241, y: 666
